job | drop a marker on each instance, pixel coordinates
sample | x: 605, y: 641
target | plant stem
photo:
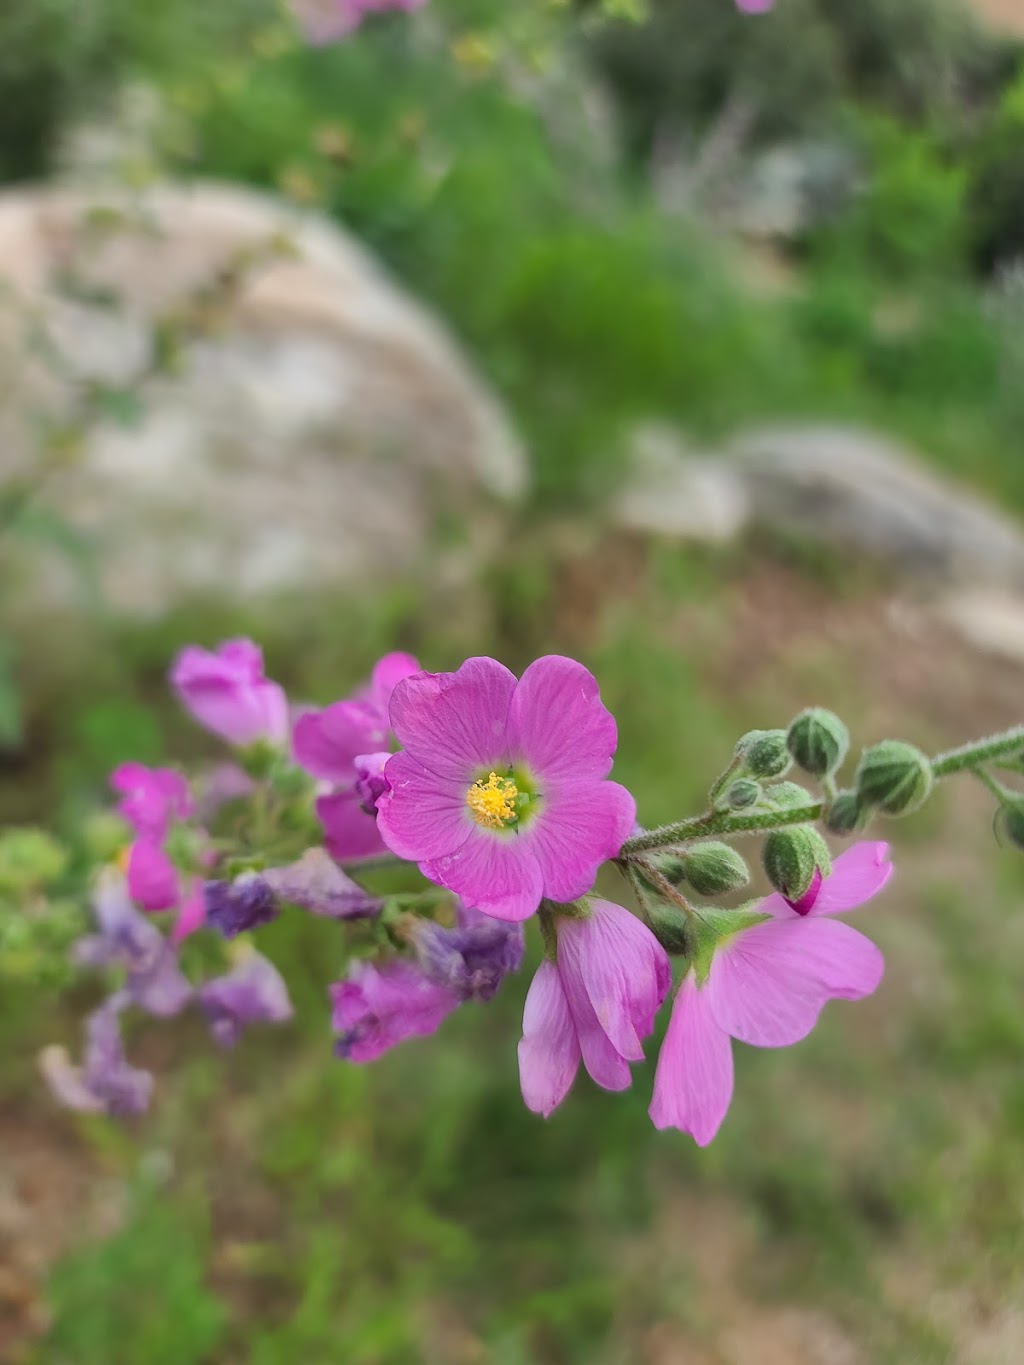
x: 981, y: 751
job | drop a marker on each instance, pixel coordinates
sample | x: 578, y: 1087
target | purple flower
x: 473, y: 958
x: 234, y: 908
x: 104, y: 1083
x: 253, y: 992
x: 316, y: 883
x: 597, y: 1001
x: 227, y: 692
x: 500, y: 794
x: 336, y: 745
x: 154, y: 981
x: 378, y: 1007
x: 326, y: 21
x: 766, y: 986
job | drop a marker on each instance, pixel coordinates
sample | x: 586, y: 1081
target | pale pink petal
x: 694, y: 1080
x: 454, y: 723
x: 421, y: 815
x: 191, y: 916
x: 557, y: 725
x: 152, y: 877
x: 495, y: 873
x: 549, y: 1053
x: 605, y: 1064
x: 387, y: 674
x: 349, y: 833
x: 768, y: 984
x: 580, y: 827
x: 326, y: 743
x: 857, y: 876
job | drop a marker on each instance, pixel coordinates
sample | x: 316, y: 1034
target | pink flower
x: 342, y: 744
x: 227, y: 692
x: 325, y: 21
x: 500, y: 794
x: 766, y: 986
x: 754, y: 6
x: 379, y: 1007
x: 151, y: 798
x: 596, y: 1001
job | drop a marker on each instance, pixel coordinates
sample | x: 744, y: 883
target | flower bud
x: 715, y: 869
x: 895, y: 776
x: 788, y: 795
x: 1011, y: 821
x: 792, y: 858
x: 765, y: 753
x: 672, y: 929
x: 743, y: 792
x: 818, y: 741
x: 846, y: 814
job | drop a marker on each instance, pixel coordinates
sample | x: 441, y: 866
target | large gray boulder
x: 321, y: 427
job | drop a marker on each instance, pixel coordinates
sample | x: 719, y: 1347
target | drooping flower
x: 104, y: 1083
x: 252, y: 992
x: 766, y: 986
x: 596, y: 1001
x: 227, y: 692
x: 314, y: 882
x: 376, y: 1008
x: 500, y: 793
x: 126, y: 939
x: 235, y: 907
x: 474, y: 957
x: 327, y: 21
x: 341, y: 745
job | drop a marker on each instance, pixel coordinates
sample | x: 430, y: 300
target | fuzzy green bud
x: 788, y: 796
x: 846, y: 814
x: 791, y: 857
x: 715, y: 869
x: 743, y: 792
x: 671, y: 927
x: 818, y: 741
x: 1011, y: 821
x: 765, y: 753
x: 894, y: 776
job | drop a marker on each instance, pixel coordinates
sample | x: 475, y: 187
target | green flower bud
x: 818, y: 740
x: 846, y: 814
x: 672, y: 868
x: 671, y: 927
x: 1011, y: 821
x: 766, y: 754
x: 743, y: 792
x: 791, y: 857
x: 788, y: 795
x: 895, y: 776
x: 715, y: 869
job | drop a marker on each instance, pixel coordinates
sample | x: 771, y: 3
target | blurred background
x: 686, y: 342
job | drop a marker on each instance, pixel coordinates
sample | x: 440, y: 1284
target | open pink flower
x: 500, y: 793
x: 343, y: 744
x: 227, y: 692
x: 766, y: 986
x: 597, y: 1001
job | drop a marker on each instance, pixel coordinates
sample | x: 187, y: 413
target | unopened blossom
x: 125, y: 939
x: 377, y: 1007
x: 340, y: 745
x: 766, y: 986
x: 228, y: 693
x: 152, y: 800
x: 104, y: 1083
x: 471, y: 959
x: 500, y: 792
x: 327, y: 21
x: 252, y: 992
x: 596, y: 1001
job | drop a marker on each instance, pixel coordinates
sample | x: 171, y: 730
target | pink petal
x: 454, y: 723
x: 580, y: 826
x: 326, y: 743
x: 191, y: 916
x: 227, y: 692
x: 421, y: 815
x: 495, y: 873
x: 694, y: 1080
x: 387, y: 674
x: 557, y: 725
x: 349, y: 833
x: 768, y: 984
x: 152, y: 877
x: 617, y: 965
x: 857, y: 876
x: 549, y: 1053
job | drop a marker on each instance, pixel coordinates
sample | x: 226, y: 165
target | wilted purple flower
x: 253, y: 992
x: 227, y: 692
x: 316, y: 883
x: 473, y: 958
x: 235, y: 907
x: 379, y: 1007
x: 127, y: 939
x: 104, y: 1083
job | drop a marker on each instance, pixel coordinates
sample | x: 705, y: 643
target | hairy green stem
x: 981, y: 751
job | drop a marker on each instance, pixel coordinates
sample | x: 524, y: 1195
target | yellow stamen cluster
x: 493, y: 802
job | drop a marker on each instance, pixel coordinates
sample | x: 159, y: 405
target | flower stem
x: 981, y: 751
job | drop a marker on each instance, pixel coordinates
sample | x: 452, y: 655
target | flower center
x: 493, y: 801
